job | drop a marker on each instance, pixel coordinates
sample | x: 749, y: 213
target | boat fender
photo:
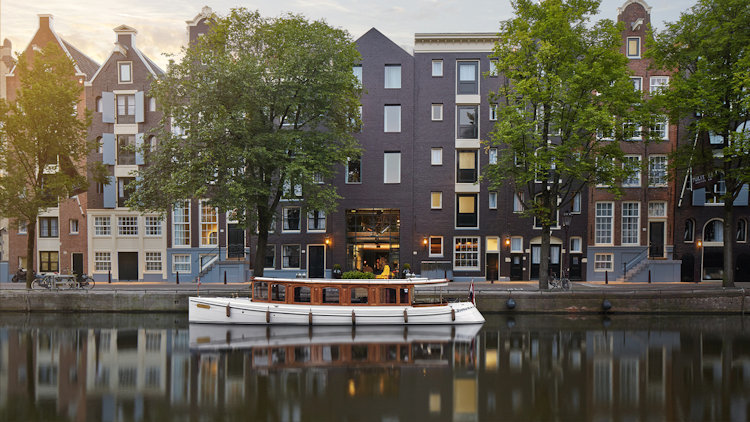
x: 406, y: 316
x: 268, y: 316
x: 354, y: 319
x: 228, y: 313
x: 310, y: 317
x: 453, y: 314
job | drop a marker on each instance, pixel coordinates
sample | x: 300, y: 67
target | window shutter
x: 108, y: 107
x: 699, y: 197
x: 139, y: 104
x: 110, y: 193
x: 741, y: 199
x: 108, y: 149
x: 139, y: 149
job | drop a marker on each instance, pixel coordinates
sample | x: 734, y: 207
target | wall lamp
x: 700, y: 244
x: 328, y: 240
x: 424, y: 241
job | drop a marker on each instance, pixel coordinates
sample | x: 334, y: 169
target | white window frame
x: 603, y: 262
x: 492, y: 156
x: 153, y: 226
x: 429, y: 246
x: 102, y: 226
x: 577, y: 204
x: 439, y: 204
x: 395, y: 108
x: 181, y: 227
x: 654, y: 206
x: 285, y: 220
x: 357, y: 72
x: 637, y: 176
x: 518, y: 202
x: 610, y: 218
x: 493, y: 112
x: 579, y: 249
x: 488, y: 240
x: 691, y: 232
x: 120, y: 66
x: 627, y: 48
x: 284, y: 265
x: 741, y: 230
x: 474, y: 251
x: 102, y: 261
x: 436, y: 156
x: 206, y: 211
x: 662, y: 181
x: 437, y: 72
x: 323, y: 217
x: 658, y: 123
x: 658, y: 83
x: 76, y: 229
x: 153, y: 259
x: 492, y: 200
x: 392, y: 162
x: 640, y: 83
x: 628, y: 226
x: 437, y: 112
x: 127, y: 230
x: 185, y: 263
x: 516, y: 248
x: 386, y: 79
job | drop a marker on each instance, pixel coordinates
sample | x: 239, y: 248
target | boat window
x: 302, y: 294
x: 359, y: 351
x: 278, y: 292
x: 404, y: 295
x: 260, y: 290
x: 330, y: 353
x: 330, y: 295
x: 388, y: 295
x: 359, y: 295
x: 278, y: 355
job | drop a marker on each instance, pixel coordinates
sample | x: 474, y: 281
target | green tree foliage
x: 43, y: 144
x: 565, y: 93
x: 260, y: 109
x: 709, y: 48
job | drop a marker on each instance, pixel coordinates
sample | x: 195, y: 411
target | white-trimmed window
x: 689, y: 234
x: 102, y: 261
x: 127, y: 225
x: 392, y: 167
x: 102, y: 226
x: 181, y: 263
x: 290, y: 256
x: 436, y: 156
x: 633, y: 48
x: 209, y: 224
x: 657, y: 170
x: 493, y: 112
x: 153, y: 261
x: 357, y: 71
x: 637, y: 83
x: 436, y: 200
x: 125, y: 72
x: 658, y: 83
x: 603, y: 225
x: 577, y: 203
x: 153, y: 225
x: 603, y: 262
x: 741, y: 230
x: 492, y: 244
x: 152, y: 104
x: 492, y: 200
x: 392, y: 76
x: 633, y: 162
x: 392, y: 118
x: 316, y: 221
x: 493, y: 68
x: 468, y: 78
x: 291, y: 219
x: 73, y: 226
x: 631, y: 213
x: 518, y: 202
x: 181, y: 223
x: 466, y: 253
x: 437, y: 68
x: 492, y: 155
x: 437, y: 112
x: 657, y: 209
x: 516, y: 244
x: 660, y: 128
x: 713, y: 232
x: 436, y: 246
x: 576, y: 244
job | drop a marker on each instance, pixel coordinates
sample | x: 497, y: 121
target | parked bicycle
x: 63, y: 281
x: 559, y: 283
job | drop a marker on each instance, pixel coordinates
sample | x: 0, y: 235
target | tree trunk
x: 30, y: 241
x: 729, y: 238
x: 259, y: 261
x: 544, y: 257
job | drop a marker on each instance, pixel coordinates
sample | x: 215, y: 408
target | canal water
x: 114, y: 367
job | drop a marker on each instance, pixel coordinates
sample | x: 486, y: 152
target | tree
x: 709, y: 48
x: 260, y: 109
x: 564, y: 96
x: 42, y: 140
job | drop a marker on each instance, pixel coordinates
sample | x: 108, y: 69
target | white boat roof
x: 436, y: 282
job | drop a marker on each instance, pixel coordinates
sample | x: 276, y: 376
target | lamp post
x: 566, y: 219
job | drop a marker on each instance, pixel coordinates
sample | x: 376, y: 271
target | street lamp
x: 566, y: 220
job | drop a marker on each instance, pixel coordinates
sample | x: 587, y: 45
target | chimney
x: 45, y: 21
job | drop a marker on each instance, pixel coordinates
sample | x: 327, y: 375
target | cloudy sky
x: 88, y: 24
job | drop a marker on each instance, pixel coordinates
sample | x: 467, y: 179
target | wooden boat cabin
x: 333, y: 292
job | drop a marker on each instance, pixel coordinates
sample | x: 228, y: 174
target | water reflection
x: 123, y: 368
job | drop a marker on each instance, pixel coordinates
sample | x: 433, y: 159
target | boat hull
x: 219, y: 310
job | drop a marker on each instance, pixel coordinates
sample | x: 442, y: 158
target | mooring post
x: 177, y: 278
x: 225, y: 276
x: 109, y: 276
x: 606, y: 277
x: 649, y: 276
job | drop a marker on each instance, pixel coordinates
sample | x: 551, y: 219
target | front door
x: 78, y: 264
x: 316, y: 261
x: 516, y: 267
x: 235, y: 241
x: 492, y: 262
x: 127, y: 266
x: 575, y: 267
x: 656, y: 239
x: 536, y: 257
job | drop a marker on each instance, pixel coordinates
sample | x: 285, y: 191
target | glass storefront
x: 372, y: 234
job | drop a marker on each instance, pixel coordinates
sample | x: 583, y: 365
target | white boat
x: 332, y: 302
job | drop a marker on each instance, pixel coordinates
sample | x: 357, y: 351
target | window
x: 209, y: 224
x: 48, y: 227
x: 330, y: 295
x: 392, y: 76
x: 392, y: 167
x: 516, y: 244
x: 742, y: 230
x: 153, y: 225
x: 634, y: 47
x: 180, y: 263
x: 270, y: 257
x: 149, y: 146
x: 657, y: 209
x: 437, y: 68
x: 290, y: 255
x: 392, y: 118
x: 466, y: 171
x: 603, y: 262
x: 181, y: 223
x: 101, y: 226
x: 353, y: 171
x: 126, y: 108
x: 576, y: 245
x: 124, y: 190
x: 102, y: 261
x: 126, y: 149
x: 388, y: 295
x: 302, y: 294
x: 518, y: 202
x: 630, y: 222
x: 152, y: 104
x: 660, y: 128
x: 437, y: 112
x: 658, y: 83
x: 493, y: 200
x: 153, y: 261
x: 603, y: 223
x: 436, y: 156
x: 637, y: 83
x: 492, y: 153
x: 715, y: 194
x: 714, y: 232
x: 358, y: 295
x: 316, y: 221
x: 657, y: 170
x: 467, y: 122
x: 436, y: 200
x: 468, y: 78
x: 436, y: 246
x: 357, y: 71
x: 493, y: 68
x: 493, y: 112
x: 466, y: 253
x: 99, y: 104
x: 631, y: 131
x: 291, y: 219
x: 49, y: 261
x: 632, y: 162
x: 466, y: 211
x: 689, y: 235
x: 73, y: 226
x: 127, y: 226
x: 278, y: 292
x: 577, y: 203
x: 125, y: 72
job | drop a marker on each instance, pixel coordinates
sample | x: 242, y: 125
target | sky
x: 88, y: 24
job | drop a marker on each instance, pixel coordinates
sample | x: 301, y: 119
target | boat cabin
x: 333, y: 292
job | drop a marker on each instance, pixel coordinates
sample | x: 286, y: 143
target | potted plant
x: 336, y: 271
x: 407, y: 270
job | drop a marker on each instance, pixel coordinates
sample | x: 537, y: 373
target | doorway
x: 316, y: 261
x: 77, y: 263
x: 575, y: 272
x: 492, y: 261
x: 656, y: 239
x: 554, y: 260
x: 235, y: 241
x: 516, y: 267
x: 127, y: 266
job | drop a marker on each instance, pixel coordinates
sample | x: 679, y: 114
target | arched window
x: 689, y: 230
x: 713, y: 232
x: 98, y: 104
x: 742, y: 230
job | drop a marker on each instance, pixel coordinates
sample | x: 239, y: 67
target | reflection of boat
x: 332, y: 302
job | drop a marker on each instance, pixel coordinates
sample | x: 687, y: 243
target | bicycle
x: 559, y: 283
x: 86, y: 282
x: 42, y: 282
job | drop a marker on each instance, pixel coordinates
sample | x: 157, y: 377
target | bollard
x: 109, y: 276
x: 606, y: 305
x: 649, y: 276
x: 178, y: 277
x: 606, y: 277
x: 510, y: 303
x: 225, y: 277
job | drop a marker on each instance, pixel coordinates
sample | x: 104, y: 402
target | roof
x: 86, y: 64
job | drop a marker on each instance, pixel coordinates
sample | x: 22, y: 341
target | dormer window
x: 125, y: 72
